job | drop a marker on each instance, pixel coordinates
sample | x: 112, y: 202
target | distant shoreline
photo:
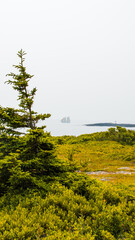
x: 110, y: 125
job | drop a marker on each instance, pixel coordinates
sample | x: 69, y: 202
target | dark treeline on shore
x: 111, y: 124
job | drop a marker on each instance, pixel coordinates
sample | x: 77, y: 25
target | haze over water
x: 75, y: 128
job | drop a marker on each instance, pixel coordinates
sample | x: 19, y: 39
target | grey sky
x: 82, y: 55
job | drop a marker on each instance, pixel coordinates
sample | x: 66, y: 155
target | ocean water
x: 76, y: 128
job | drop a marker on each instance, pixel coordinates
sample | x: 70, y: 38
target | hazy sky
x: 81, y: 52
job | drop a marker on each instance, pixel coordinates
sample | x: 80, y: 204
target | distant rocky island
x: 110, y: 125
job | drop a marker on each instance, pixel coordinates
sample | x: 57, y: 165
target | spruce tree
x: 13, y: 119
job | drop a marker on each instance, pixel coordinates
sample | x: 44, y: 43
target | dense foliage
x: 86, y: 209
x: 41, y: 194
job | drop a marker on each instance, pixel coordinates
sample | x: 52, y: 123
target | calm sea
x: 56, y: 128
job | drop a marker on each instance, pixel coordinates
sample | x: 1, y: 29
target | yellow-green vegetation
x: 106, y: 160
x: 88, y: 210
x: 44, y: 197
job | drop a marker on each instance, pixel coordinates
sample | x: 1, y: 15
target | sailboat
x: 65, y: 120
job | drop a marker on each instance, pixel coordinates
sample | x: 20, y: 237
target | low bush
x: 88, y: 210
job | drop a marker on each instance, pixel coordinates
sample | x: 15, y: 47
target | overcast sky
x: 81, y: 52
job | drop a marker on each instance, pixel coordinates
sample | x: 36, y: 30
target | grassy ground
x: 115, y: 161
